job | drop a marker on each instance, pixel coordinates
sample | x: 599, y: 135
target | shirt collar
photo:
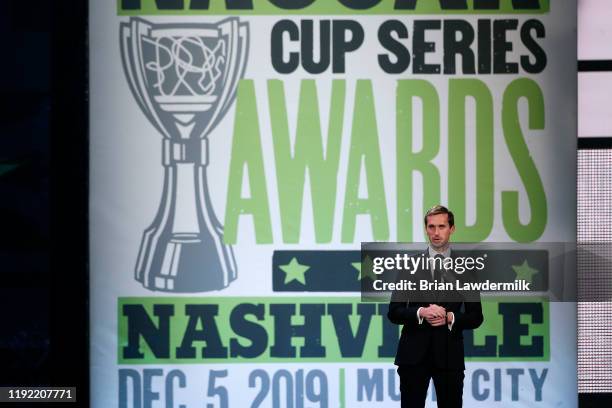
x: 433, y: 252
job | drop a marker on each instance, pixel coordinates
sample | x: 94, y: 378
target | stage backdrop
x: 240, y: 152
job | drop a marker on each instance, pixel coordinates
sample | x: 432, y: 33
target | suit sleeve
x: 402, y: 313
x: 472, y: 317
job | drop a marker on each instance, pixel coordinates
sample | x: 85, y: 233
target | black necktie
x: 438, y: 265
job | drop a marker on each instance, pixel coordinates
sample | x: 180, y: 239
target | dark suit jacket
x: 416, y: 340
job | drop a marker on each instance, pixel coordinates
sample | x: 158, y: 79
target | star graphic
x: 524, y: 271
x: 367, y: 271
x: 294, y: 271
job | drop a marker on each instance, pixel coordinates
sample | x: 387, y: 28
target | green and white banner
x: 241, y: 151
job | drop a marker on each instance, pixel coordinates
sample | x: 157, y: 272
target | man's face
x: 438, y: 230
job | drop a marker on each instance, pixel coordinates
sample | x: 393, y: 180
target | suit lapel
x: 426, y: 275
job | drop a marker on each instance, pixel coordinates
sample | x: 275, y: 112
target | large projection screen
x: 241, y: 151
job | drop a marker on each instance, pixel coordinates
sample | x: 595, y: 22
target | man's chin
x: 438, y: 245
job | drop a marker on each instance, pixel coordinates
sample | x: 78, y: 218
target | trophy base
x: 183, y: 251
x: 185, y: 263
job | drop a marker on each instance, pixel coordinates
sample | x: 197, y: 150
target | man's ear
x: 452, y: 229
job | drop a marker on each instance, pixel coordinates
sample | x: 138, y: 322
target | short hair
x: 440, y: 209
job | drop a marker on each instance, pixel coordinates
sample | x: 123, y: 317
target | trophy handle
x: 183, y: 249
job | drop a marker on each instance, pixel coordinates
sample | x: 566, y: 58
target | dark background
x: 43, y: 195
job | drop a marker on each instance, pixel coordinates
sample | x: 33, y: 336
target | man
x: 431, y: 343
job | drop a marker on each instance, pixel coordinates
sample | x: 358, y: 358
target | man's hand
x: 434, y: 314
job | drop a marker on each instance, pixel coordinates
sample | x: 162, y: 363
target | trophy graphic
x: 184, y: 78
